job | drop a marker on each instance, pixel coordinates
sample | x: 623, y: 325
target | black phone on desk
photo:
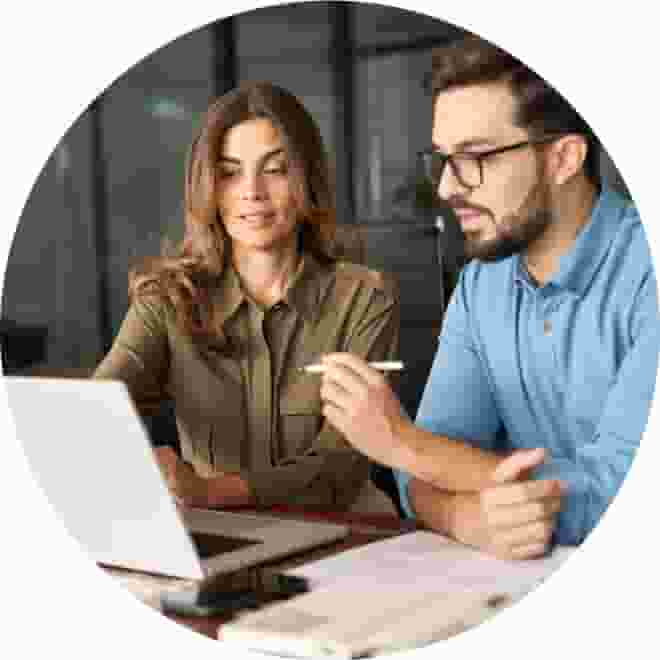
x: 209, y: 598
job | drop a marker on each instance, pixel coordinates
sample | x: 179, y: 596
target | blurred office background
x: 112, y: 189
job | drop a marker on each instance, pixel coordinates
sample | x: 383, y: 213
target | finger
x: 165, y: 455
x: 345, y: 378
x: 336, y: 416
x: 172, y: 487
x: 519, y: 462
x: 166, y: 463
x: 164, y: 452
x: 520, y: 493
x: 357, y: 365
x: 335, y: 394
x: 532, y: 551
x: 533, y: 533
x: 523, y: 514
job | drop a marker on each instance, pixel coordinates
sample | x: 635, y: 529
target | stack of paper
x: 389, y: 595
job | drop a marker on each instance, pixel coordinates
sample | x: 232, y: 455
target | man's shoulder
x: 630, y: 247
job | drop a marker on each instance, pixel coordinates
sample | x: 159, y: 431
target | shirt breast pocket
x: 300, y: 417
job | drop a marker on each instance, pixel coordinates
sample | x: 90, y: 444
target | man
x: 542, y: 382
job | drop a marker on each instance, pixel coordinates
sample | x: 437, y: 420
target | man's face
x: 511, y: 208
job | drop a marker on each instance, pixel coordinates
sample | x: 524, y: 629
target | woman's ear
x: 566, y: 158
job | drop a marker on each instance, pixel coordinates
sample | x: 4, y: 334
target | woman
x: 253, y: 294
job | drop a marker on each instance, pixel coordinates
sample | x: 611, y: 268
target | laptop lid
x: 91, y: 455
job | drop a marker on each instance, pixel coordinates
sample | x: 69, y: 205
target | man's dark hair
x: 542, y: 110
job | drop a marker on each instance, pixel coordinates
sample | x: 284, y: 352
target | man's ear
x: 566, y: 157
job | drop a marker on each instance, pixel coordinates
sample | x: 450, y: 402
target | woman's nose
x: 251, y: 187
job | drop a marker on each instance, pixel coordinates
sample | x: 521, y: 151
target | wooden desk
x: 364, y: 528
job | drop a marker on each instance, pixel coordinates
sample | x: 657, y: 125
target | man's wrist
x: 404, y: 452
x: 435, y: 508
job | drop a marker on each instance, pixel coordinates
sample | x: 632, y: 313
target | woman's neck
x: 265, y: 275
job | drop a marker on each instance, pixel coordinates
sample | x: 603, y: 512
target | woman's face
x: 255, y: 199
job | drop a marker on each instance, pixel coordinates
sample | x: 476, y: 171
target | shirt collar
x: 303, y: 295
x: 578, y: 266
x: 229, y: 294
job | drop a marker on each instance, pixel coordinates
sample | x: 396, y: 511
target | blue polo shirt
x: 569, y: 366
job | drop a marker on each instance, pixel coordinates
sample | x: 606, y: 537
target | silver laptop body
x: 91, y: 455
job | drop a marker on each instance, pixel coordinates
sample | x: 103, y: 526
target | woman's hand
x: 220, y: 491
x: 184, y: 483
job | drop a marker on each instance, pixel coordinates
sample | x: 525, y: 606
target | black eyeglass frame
x: 428, y: 155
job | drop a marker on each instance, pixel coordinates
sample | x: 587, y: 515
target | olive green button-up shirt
x: 254, y: 412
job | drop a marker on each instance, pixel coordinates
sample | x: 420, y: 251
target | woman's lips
x: 257, y: 218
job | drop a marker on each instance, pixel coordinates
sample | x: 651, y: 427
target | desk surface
x: 364, y: 528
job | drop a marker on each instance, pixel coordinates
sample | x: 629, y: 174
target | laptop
x: 91, y: 455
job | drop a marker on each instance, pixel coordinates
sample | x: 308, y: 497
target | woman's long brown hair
x: 186, y: 277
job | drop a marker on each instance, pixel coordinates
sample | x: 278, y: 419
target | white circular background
x: 55, y: 58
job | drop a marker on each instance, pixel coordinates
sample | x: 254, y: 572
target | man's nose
x: 450, y: 184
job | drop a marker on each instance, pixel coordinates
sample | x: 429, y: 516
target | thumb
x: 514, y: 466
x: 166, y: 458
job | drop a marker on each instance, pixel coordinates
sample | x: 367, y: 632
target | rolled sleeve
x: 140, y: 354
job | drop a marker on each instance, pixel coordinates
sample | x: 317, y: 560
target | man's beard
x: 514, y: 233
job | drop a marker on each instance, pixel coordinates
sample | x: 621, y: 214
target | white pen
x: 380, y: 366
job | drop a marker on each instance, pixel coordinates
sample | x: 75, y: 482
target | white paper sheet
x: 429, y: 559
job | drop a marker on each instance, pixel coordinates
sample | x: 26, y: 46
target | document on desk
x: 430, y: 559
x: 389, y: 595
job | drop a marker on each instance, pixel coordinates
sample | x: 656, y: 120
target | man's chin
x: 491, y: 250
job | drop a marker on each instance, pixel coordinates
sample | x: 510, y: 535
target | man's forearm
x: 457, y: 515
x: 432, y: 507
x: 449, y: 465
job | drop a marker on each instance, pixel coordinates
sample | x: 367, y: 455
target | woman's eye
x: 225, y: 174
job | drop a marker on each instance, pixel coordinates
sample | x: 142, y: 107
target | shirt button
x: 547, y: 327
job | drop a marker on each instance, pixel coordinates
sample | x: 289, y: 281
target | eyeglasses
x: 468, y: 168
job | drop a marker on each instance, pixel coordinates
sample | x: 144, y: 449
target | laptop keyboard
x: 210, y: 545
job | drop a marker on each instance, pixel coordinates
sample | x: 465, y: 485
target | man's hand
x: 358, y: 402
x: 514, y: 518
x: 188, y: 488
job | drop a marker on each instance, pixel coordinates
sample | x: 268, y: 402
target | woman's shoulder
x: 348, y: 273
x: 153, y: 305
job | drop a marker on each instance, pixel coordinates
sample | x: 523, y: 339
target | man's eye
x: 276, y: 169
x: 225, y: 174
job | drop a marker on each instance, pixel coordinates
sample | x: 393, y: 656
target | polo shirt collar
x: 578, y: 267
